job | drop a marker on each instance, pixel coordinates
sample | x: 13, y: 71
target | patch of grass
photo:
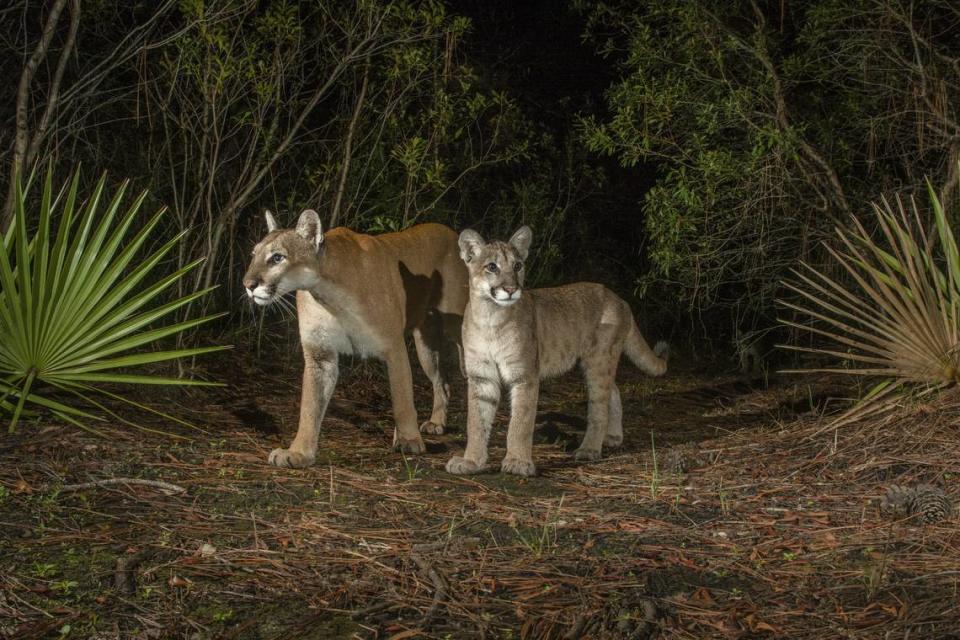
x: 411, y: 470
x: 542, y: 539
x: 724, y: 501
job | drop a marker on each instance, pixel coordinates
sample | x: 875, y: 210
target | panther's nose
x: 251, y: 284
x: 510, y: 290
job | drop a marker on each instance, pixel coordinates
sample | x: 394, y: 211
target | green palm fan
x: 901, y: 320
x: 76, y: 308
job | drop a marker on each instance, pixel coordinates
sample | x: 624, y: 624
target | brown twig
x: 165, y: 487
x: 439, y: 587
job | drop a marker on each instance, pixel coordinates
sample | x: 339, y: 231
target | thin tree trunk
x: 348, y: 151
x: 53, y: 99
x: 22, y: 129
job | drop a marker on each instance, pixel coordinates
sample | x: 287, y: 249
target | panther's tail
x: 651, y: 361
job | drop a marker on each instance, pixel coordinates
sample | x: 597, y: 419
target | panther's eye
x: 275, y: 258
x: 492, y: 267
x: 517, y: 266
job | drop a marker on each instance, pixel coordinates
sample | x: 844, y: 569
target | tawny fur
x: 513, y: 338
x: 360, y: 294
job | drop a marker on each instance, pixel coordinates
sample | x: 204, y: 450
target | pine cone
x: 929, y: 504
x: 925, y: 503
x: 682, y: 459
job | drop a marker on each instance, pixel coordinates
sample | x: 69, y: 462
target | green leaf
x: 74, y: 306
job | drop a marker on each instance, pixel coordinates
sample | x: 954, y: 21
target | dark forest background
x: 685, y: 153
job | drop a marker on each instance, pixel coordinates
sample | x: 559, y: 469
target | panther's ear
x: 271, y: 222
x: 521, y: 241
x: 470, y: 244
x: 309, y: 228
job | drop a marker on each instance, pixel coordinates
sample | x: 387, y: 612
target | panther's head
x: 496, y: 268
x: 285, y: 260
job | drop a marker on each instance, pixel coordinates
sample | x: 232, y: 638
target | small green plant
x: 72, y: 558
x: 655, y: 478
x: 222, y: 616
x: 76, y: 308
x: 543, y: 538
x: 65, y: 587
x: 901, y: 322
x: 873, y: 575
x: 49, y: 501
x: 411, y: 469
x: 44, y: 570
x: 724, y: 502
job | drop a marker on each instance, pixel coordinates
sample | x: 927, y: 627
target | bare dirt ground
x: 729, y: 512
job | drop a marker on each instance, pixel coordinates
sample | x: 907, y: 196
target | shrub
x: 75, y: 303
x: 901, y: 320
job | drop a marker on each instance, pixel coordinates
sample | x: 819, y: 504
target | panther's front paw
x: 518, y: 466
x: 586, y: 455
x: 431, y: 428
x: 461, y: 466
x: 414, y: 445
x: 612, y: 441
x: 288, y: 458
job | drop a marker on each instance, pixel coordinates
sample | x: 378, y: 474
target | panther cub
x: 514, y: 338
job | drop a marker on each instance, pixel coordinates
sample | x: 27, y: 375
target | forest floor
x: 731, y: 511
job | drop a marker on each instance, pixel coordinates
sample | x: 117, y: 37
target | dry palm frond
x: 902, y: 320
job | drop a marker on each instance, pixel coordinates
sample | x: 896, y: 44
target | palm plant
x: 901, y: 322
x: 75, y: 304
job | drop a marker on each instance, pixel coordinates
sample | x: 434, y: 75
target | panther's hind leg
x: 428, y: 338
x: 599, y: 374
x: 614, y: 435
x: 599, y: 364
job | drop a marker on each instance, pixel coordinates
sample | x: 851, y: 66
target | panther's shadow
x: 249, y: 413
x: 549, y: 429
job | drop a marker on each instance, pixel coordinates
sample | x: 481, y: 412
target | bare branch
x: 348, y: 147
x: 54, y: 95
x: 22, y: 131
